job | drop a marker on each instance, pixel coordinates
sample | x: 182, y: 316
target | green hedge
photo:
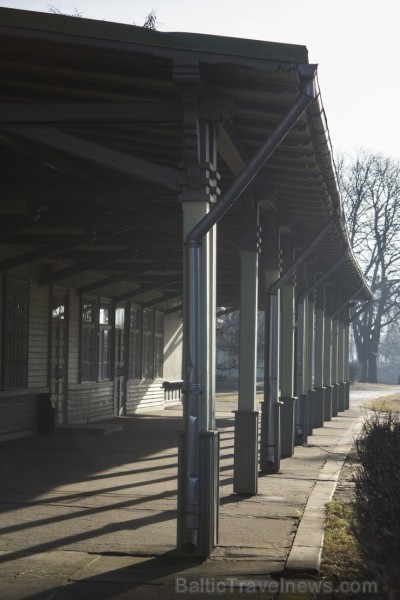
x: 377, y: 503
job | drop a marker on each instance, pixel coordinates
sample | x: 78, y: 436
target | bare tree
x: 370, y: 187
x: 151, y: 20
x: 51, y: 8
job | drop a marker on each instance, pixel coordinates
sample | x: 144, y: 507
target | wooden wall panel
x: 73, y: 337
x: 18, y: 415
x: 38, y: 353
x: 89, y: 402
x: 143, y: 395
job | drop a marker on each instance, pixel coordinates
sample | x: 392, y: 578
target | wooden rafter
x: 106, y: 157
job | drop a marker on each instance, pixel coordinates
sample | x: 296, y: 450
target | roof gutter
x: 191, y: 490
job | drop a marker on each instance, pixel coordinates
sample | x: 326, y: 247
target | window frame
x: 158, y: 352
x: 148, y: 345
x: 93, y: 327
x: 102, y: 328
x: 24, y: 355
x: 135, y: 342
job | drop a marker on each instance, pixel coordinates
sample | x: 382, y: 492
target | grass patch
x: 341, y: 559
x: 390, y: 403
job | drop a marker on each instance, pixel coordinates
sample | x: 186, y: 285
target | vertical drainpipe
x: 192, y: 392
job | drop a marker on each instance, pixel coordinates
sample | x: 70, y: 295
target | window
x: 135, y: 342
x: 148, y: 345
x: 119, y: 340
x: 89, y: 339
x: 15, y: 364
x: 104, y: 341
x: 158, y: 344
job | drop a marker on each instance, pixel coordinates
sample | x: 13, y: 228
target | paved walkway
x: 93, y: 517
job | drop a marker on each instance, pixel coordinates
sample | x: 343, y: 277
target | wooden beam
x: 84, y: 220
x: 163, y: 298
x: 107, y: 157
x: 137, y: 269
x: 173, y: 310
x: 123, y: 239
x: 92, y: 112
x: 144, y: 289
x: 160, y: 111
x: 82, y: 267
x: 50, y: 158
x: 46, y: 252
x: 121, y: 195
x: 230, y: 148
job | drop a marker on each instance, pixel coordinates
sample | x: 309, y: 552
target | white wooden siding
x: 143, y: 395
x: 89, y: 402
x: 38, y: 347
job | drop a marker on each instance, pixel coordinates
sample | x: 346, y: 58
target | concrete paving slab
x: 262, y: 509
x: 102, y: 591
x: 113, y: 500
x: 36, y: 576
x: 255, y: 532
x: 141, y: 570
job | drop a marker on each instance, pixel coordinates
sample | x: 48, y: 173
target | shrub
x: 377, y: 500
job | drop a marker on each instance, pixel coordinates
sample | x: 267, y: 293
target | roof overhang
x: 91, y: 142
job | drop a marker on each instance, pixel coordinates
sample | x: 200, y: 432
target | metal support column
x: 270, y: 447
x: 301, y: 403
x: 327, y: 366
x: 287, y: 410
x: 318, y: 413
x: 346, y: 353
x: 334, y: 370
x: 198, y: 485
x: 340, y: 375
x: 309, y: 362
x: 245, y: 478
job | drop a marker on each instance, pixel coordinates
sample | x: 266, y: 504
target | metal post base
x: 328, y: 403
x: 287, y: 426
x: 245, y: 474
x: 270, y: 453
x: 209, y: 495
x: 310, y: 410
x: 301, y: 429
x: 341, y: 396
x: 335, y: 389
x: 347, y: 395
x: 318, y: 409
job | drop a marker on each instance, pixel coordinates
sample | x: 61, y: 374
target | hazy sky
x: 355, y: 43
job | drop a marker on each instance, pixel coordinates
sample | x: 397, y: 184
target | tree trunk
x: 372, y: 369
x: 364, y: 369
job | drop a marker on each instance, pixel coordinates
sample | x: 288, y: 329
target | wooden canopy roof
x: 91, y: 143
